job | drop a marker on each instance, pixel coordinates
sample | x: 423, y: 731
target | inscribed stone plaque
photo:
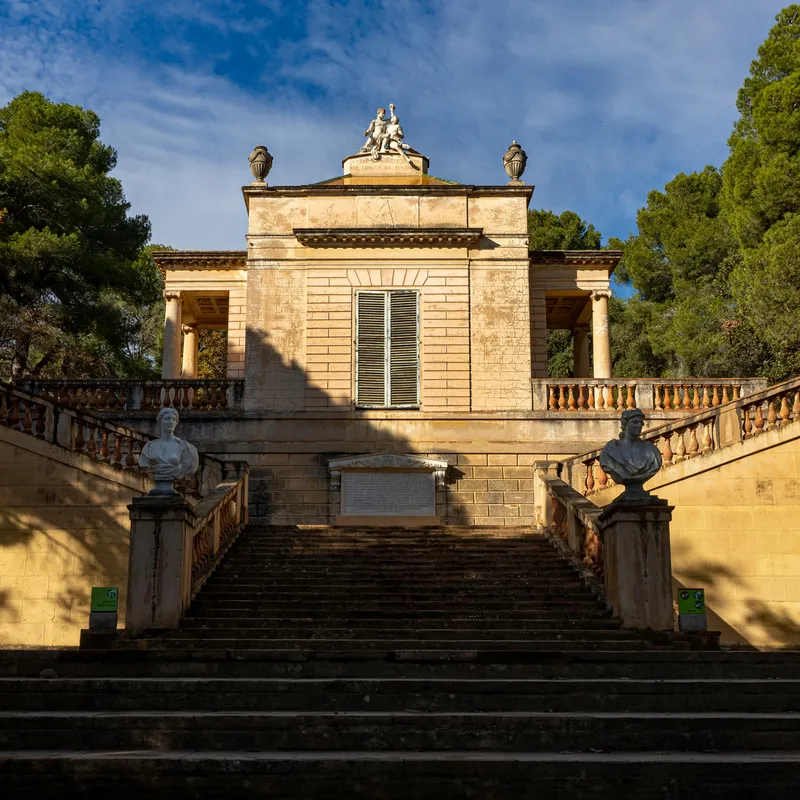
x: 388, y: 494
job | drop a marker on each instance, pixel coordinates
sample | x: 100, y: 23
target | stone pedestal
x: 638, y: 565
x: 160, y: 562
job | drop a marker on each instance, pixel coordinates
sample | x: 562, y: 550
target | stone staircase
x: 327, y: 663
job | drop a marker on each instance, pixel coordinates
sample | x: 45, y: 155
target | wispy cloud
x: 609, y: 99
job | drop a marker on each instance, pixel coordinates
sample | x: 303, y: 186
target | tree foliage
x: 212, y: 357
x: 68, y: 247
x: 761, y: 195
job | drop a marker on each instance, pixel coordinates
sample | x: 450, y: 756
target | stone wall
x: 63, y: 529
x: 736, y: 533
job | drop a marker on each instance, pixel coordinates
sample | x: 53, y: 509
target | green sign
x: 691, y: 601
x: 104, y: 598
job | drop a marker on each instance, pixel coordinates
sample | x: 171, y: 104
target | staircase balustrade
x: 701, y: 432
x: 91, y: 436
x: 117, y: 395
x: 685, y: 396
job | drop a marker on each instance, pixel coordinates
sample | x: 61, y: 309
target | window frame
x: 386, y: 405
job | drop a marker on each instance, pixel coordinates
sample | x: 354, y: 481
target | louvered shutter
x: 371, y: 349
x: 403, y: 349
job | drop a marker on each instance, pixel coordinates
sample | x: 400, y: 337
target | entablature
x: 395, y: 235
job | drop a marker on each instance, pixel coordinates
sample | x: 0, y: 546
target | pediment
x: 387, y: 460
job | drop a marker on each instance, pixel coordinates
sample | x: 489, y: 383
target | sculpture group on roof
x: 385, y: 137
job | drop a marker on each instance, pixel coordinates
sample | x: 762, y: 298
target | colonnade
x: 601, y: 341
x: 180, y: 340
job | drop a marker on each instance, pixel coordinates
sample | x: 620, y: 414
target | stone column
x: 580, y: 350
x: 601, y: 342
x: 190, y: 344
x: 171, y: 362
x: 638, y: 563
x: 159, y: 562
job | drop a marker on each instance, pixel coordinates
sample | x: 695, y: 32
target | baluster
x: 117, y: 457
x: 708, y: 442
x: 552, y: 404
x: 590, y: 402
x: 631, y: 396
x: 601, y: 400
x: 581, y: 398
x: 715, y: 399
x: 676, y: 398
x: 784, y: 412
x: 41, y: 421
x: 620, y: 398
x: 79, y: 441
x: 759, y: 421
x: 166, y: 401
x: 91, y: 442
x: 147, y: 397
x: 27, y: 419
x: 772, y: 416
x: 602, y: 478
x: 747, y: 424
x: 667, y: 453
x: 561, y: 400
x: 694, y: 445
x: 13, y: 417
x: 185, y: 402
x: 736, y: 392
x: 100, y: 398
x: 706, y: 401
x: 131, y: 461
x: 796, y: 407
x: 104, y: 445
x: 687, y: 398
x: 589, y: 480
x: 695, y: 399
x: 680, y: 453
x: 570, y: 398
x: 667, y: 401
x: 659, y: 403
x: 199, y: 396
x: 223, y: 396
x: 725, y: 398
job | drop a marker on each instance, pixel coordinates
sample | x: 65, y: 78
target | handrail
x: 133, y: 394
x: 699, y: 433
x: 93, y: 437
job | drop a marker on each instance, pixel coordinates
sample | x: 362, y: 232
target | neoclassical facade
x: 390, y: 310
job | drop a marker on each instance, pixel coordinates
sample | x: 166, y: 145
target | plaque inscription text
x: 388, y: 494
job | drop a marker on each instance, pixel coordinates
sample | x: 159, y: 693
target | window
x: 387, y: 349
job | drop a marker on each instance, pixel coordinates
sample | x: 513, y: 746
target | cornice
x: 574, y: 258
x: 456, y: 189
x: 400, y: 236
x: 199, y: 259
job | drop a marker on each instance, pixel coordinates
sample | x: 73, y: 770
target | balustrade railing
x: 91, y: 436
x: 700, y: 432
x: 682, y: 396
x: 219, y: 518
x: 141, y: 395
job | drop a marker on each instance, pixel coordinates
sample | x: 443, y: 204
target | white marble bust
x: 629, y: 460
x: 168, y: 457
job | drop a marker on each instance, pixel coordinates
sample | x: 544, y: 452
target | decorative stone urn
x: 260, y: 162
x: 514, y: 160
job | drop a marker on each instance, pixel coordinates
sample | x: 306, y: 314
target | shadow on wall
x: 62, y: 531
x: 735, y: 608
x: 315, y: 420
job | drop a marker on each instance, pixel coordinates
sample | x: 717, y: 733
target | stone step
x: 584, y: 665
x: 390, y: 634
x: 397, y: 694
x: 520, y: 731
x: 389, y: 775
x: 368, y: 594
x: 376, y: 605
x: 380, y: 623
x: 196, y: 639
x: 200, y: 608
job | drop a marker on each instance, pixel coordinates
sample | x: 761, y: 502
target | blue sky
x: 610, y: 98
